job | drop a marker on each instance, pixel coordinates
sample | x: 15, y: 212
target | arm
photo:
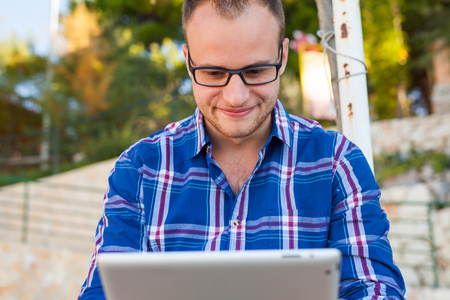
x: 359, y: 229
x: 121, y: 228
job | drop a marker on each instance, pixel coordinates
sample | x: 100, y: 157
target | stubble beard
x: 236, y: 132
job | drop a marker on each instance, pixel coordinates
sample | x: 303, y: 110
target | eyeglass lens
x: 256, y: 75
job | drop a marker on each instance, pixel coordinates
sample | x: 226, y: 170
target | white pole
x: 46, y: 118
x: 54, y: 24
x: 352, y: 75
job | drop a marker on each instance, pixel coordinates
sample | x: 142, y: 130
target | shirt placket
x: 238, y: 213
x: 238, y: 220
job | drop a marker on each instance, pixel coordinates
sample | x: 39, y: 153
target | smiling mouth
x: 238, y: 113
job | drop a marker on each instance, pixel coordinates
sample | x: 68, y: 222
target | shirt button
x: 236, y: 222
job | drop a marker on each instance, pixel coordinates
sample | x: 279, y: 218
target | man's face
x: 236, y: 110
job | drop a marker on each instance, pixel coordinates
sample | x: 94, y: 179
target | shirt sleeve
x: 359, y: 229
x: 121, y: 228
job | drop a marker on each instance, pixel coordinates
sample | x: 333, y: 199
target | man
x: 242, y: 174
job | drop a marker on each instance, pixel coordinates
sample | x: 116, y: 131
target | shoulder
x: 311, y: 133
x: 301, y: 132
x: 179, y: 136
x: 315, y: 143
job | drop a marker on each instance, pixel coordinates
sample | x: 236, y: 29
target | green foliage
x: 386, y: 54
x: 439, y: 162
x: 425, y: 22
x: 130, y: 74
x: 110, y: 141
x: 387, y: 166
x: 142, y: 94
x: 150, y: 20
x: 300, y: 15
x: 20, y: 69
x: 138, y: 97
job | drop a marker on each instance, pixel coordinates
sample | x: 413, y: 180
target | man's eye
x: 255, y: 72
x: 215, y: 74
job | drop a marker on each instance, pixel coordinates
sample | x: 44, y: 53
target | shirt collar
x: 202, y: 137
x: 281, y: 127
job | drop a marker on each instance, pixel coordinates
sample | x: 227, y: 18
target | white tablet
x: 248, y: 275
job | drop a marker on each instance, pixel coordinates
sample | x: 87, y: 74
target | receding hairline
x: 232, y: 9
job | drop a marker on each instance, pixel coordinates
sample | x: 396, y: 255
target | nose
x: 236, y: 92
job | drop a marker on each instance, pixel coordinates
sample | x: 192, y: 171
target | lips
x: 237, y: 113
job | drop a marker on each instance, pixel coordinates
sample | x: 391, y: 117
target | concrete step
x: 61, y: 210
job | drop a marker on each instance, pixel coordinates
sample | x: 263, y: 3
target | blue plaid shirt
x: 310, y: 189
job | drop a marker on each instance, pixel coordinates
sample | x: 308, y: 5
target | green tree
x: 149, y: 20
x: 85, y: 67
x: 386, y: 55
x: 22, y: 75
x: 123, y: 78
x: 123, y: 85
x: 425, y: 22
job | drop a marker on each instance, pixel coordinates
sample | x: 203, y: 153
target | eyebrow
x: 255, y: 64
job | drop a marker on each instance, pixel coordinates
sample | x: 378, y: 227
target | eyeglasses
x: 217, y: 77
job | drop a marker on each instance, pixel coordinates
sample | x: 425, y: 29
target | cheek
x: 204, y: 95
x: 198, y: 95
x: 268, y: 92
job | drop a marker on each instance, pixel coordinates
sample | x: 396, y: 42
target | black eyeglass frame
x: 233, y: 72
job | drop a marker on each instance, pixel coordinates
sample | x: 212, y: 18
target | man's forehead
x: 206, y: 20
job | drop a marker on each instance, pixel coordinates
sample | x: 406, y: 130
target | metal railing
x: 417, y: 250
x: 47, y: 212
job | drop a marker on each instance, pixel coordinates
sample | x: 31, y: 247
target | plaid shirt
x: 310, y: 189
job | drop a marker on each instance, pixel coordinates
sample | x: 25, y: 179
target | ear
x: 185, y: 53
x: 285, y: 46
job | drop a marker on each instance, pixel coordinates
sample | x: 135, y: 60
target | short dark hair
x: 231, y: 9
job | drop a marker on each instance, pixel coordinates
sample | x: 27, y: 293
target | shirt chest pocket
x: 296, y: 229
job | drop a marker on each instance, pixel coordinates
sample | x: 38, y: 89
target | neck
x: 237, y: 157
x: 249, y: 144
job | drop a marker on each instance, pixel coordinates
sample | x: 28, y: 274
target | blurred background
x: 80, y: 81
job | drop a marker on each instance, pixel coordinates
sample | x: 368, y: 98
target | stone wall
x: 45, y: 253
x: 420, y: 233
x: 431, y: 133
x: 418, y: 203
